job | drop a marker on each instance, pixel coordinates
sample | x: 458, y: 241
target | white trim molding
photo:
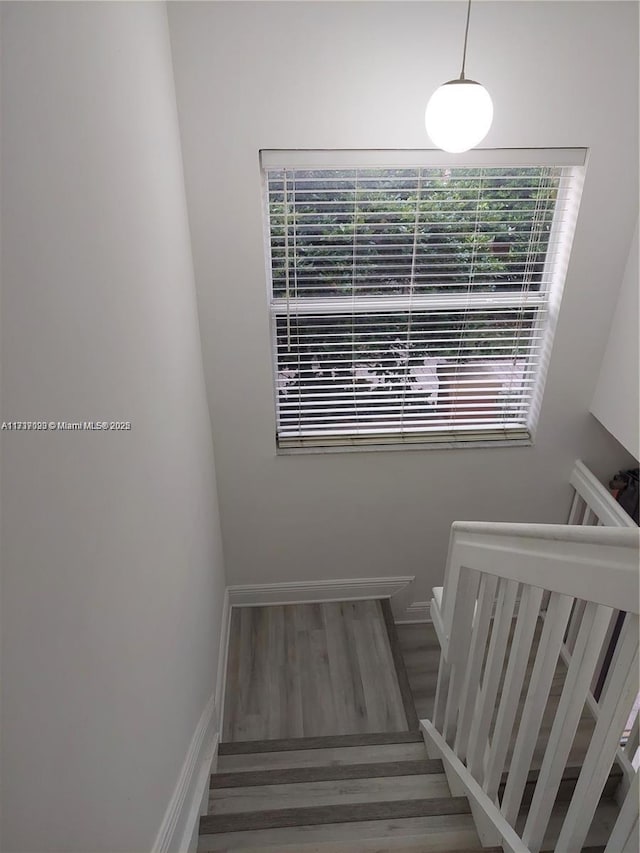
x: 223, y: 653
x: 341, y: 589
x: 179, y: 828
x: 418, y: 611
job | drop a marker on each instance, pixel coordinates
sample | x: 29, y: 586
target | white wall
x: 112, y: 568
x: 357, y: 75
x: 1, y: 415
x: 616, y: 402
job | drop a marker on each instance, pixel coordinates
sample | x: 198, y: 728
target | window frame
x: 573, y: 163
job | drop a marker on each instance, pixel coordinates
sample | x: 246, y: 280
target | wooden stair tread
x: 327, y: 793
x: 291, y: 775
x: 436, y: 834
x: 244, y: 747
x: 317, y: 815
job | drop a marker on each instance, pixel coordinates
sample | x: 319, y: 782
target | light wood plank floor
x: 309, y: 670
x: 305, y: 794
x: 421, y: 652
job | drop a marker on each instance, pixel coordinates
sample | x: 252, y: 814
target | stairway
x: 355, y: 794
x: 346, y: 794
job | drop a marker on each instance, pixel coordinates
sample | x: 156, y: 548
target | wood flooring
x: 309, y: 670
x: 421, y: 654
x: 343, y: 668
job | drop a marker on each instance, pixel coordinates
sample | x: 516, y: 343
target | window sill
x: 410, y: 446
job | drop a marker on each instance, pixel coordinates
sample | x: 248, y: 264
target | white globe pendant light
x: 460, y: 112
x: 459, y: 115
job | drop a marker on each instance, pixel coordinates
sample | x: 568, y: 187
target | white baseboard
x: 223, y: 653
x: 189, y: 842
x: 254, y: 595
x: 419, y: 611
x: 179, y: 828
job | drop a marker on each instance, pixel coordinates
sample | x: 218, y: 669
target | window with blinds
x: 414, y: 299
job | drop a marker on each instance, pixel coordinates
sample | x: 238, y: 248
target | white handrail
x: 625, y: 538
x: 601, y: 502
x: 598, y: 564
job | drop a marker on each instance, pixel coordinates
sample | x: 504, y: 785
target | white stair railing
x: 511, y: 593
x: 593, y: 504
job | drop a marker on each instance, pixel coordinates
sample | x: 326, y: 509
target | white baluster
x: 514, y: 679
x: 615, y: 707
x: 631, y: 746
x: 577, y: 508
x: 544, y: 667
x: 590, y: 637
x: 605, y: 651
x: 481, y: 723
x: 442, y: 690
x: 574, y: 624
x: 590, y: 517
x: 482, y: 620
x: 627, y: 823
x: 459, y: 640
x: 632, y: 844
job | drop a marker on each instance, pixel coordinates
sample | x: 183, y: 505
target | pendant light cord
x: 466, y: 33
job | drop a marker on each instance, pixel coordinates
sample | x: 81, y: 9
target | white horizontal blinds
x: 409, y: 303
x: 327, y: 209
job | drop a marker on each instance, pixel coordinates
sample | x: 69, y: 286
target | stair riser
x: 426, y: 767
x: 316, y: 815
x: 326, y: 742
x: 566, y: 789
x: 321, y: 757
